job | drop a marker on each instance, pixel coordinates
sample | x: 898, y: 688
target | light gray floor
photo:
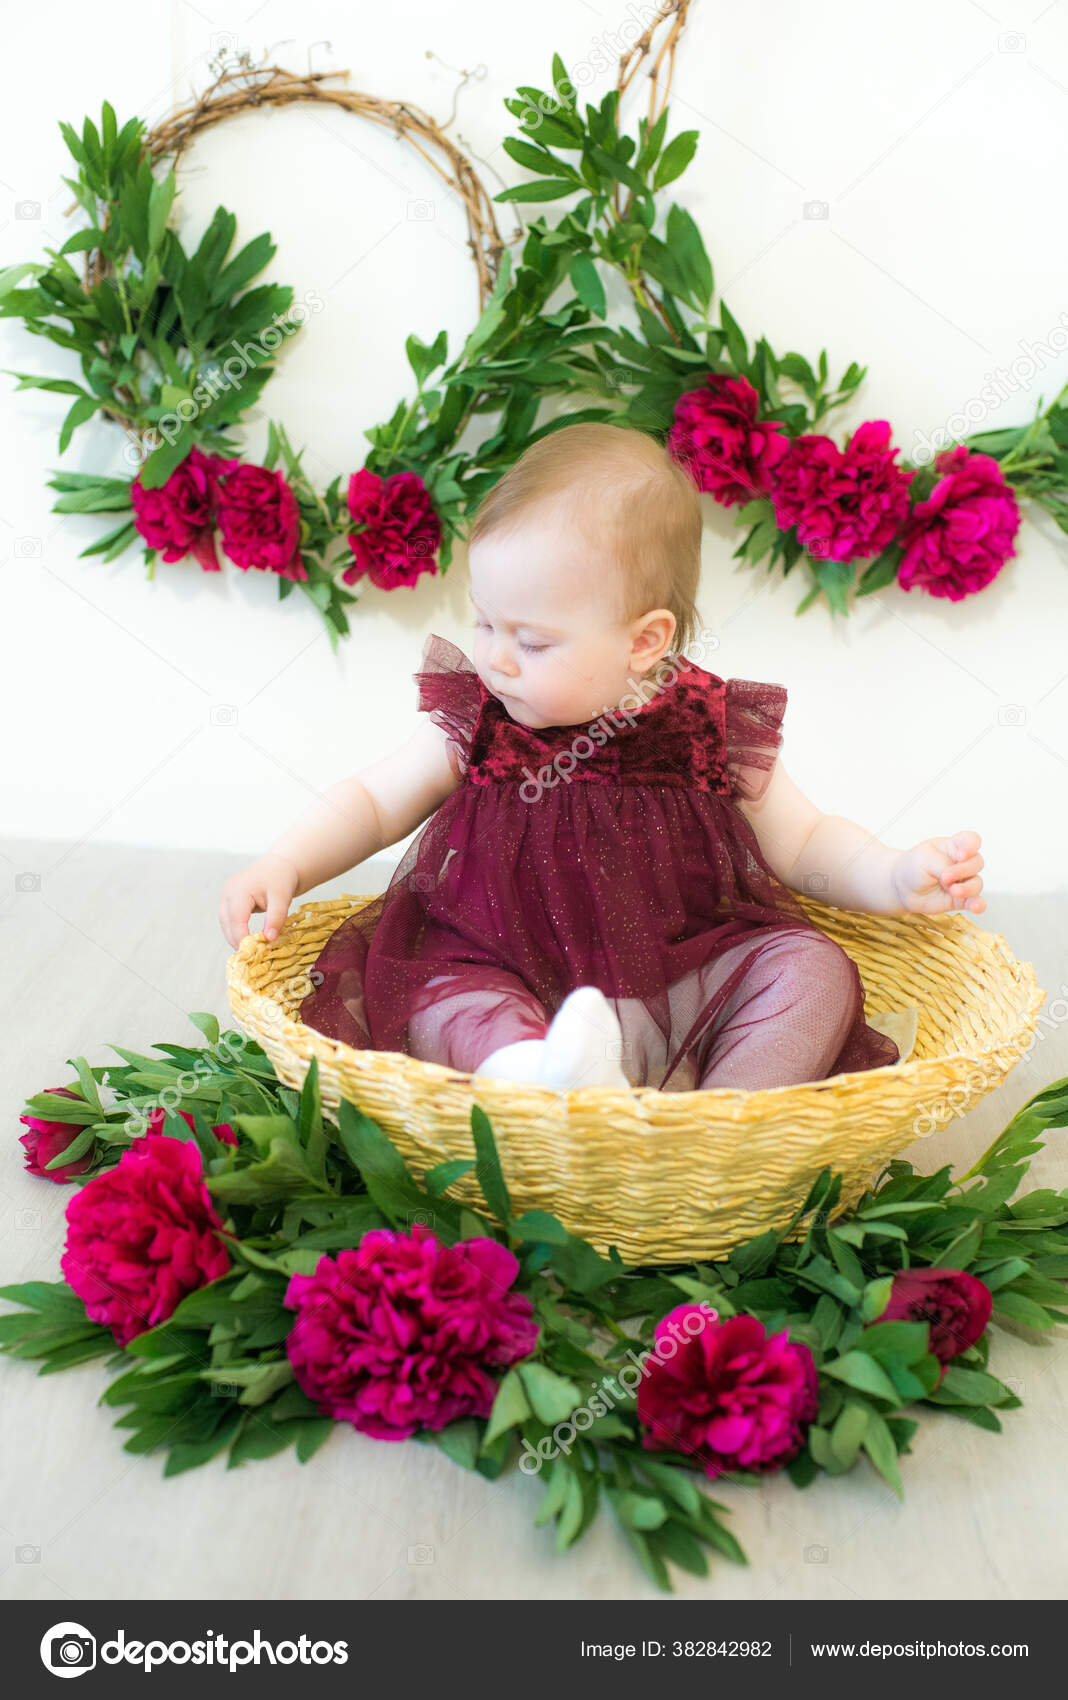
x: 103, y: 943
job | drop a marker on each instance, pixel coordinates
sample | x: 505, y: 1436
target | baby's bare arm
x: 352, y: 820
x: 364, y: 814
x: 825, y: 856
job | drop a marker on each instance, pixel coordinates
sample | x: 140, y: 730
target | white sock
x: 514, y: 1062
x: 581, y: 1048
x: 583, y: 1044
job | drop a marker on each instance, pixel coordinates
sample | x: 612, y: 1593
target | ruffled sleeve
x: 450, y: 691
x: 754, y: 714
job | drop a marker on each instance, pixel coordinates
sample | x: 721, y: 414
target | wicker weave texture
x: 676, y: 1176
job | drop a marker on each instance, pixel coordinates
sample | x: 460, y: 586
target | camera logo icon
x: 68, y: 1649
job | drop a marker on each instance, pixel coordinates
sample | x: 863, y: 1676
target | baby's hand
x: 270, y: 884
x: 940, y: 874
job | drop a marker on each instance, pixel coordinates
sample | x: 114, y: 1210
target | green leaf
x: 673, y: 1481
x: 538, y: 1227
x: 582, y: 1268
x: 459, y: 1441
x: 165, y: 459
x: 586, y: 282
x: 438, y: 1179
x: 651, y: 1560
x: 52, y: 1299
x: 206, y: 1024
x: 540, y: 189
x: 78, y: 1146
x: 674, y: 1541
x: 859, y: 1370
x: 510, y: 1407
x: 282, y: 1174
x: 159, y: 208
x: 490, y: 321
x: 878, y: 1443
x: 310, y: 1129
x: 488, y: 1170
x: 909, y: 1340
x: 570, y: 1513
x: 684, y: 239
x: 563, y: 87
x: 676, y: 157
x: 540, y: 160
x: 849, y: 1430
x: 552, y: 1398
x: 83, y: 409
x: 83, y: 241
x: 188, y: 1455
x: 1021, y: 1309
x: 547, y: 130
x: 384, y: 1171
x: 555, y: 1492
x: 242, y: 268
x: 961, y: 1386
x: 736, y: 344
x: 423, y: 359
x: 637, y: 1510
x: 472, y: 1227
x: 879, y: 573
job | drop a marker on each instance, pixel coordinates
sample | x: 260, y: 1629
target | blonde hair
x: 645, y: 506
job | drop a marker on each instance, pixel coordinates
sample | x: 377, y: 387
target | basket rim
x: 333, y: 1050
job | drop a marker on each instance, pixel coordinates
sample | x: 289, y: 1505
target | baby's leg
x: 786, y: 1020
x: 459, y: 1019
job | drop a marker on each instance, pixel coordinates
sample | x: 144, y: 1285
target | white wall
x: 934, y: 135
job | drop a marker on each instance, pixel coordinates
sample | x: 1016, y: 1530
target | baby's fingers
x: 235, y: 911
x: 277, y: 910
x: 233, y: 919
x: 955, y: 872
x: 965, y: 895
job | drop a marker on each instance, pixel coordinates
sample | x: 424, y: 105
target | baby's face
x: 547, y: 641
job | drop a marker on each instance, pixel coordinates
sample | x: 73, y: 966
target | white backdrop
x: 880, y: 182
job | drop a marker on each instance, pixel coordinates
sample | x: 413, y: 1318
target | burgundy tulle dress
x: 608, y: 853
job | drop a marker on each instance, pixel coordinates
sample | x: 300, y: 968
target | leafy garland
x: 278, y: 1198
x: 153, y: 326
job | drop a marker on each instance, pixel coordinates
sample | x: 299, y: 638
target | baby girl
x: 602, y: 892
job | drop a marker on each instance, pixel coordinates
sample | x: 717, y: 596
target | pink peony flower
x: 735, y: 1399
x: 46, y: 1140
x: 846, y: 503
x: 957, y: 1306
x: 260, y: 523
x: 399, y: 531
x: 178, y: 518
x: 402, y: 1333
x: 957, y: 540
x: 716, y: 435
x: 142, y: 1235
x: 221, y: 1130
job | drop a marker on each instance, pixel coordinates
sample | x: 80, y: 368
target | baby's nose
x: 502, y: 660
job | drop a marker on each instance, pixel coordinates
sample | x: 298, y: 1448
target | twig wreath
x: 177, y: 349
x: 260, y: 1274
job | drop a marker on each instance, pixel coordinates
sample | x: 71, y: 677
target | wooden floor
x: 103, y: 943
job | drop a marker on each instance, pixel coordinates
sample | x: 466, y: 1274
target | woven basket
x: 676, y: 1176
